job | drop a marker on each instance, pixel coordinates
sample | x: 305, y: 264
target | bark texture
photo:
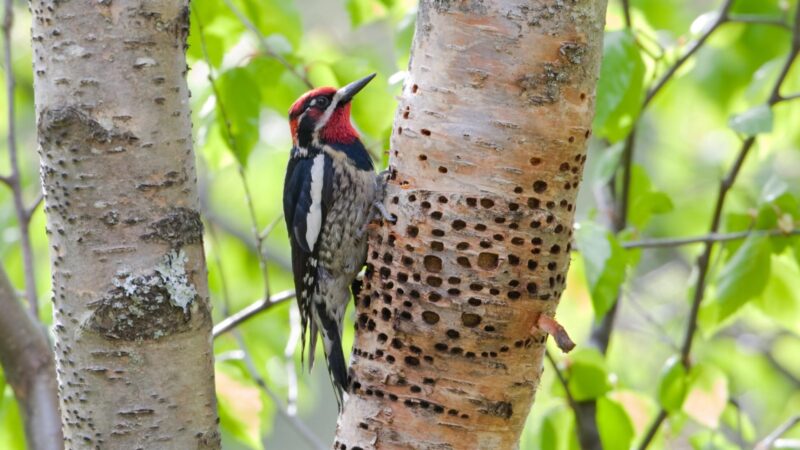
x: 132, y: 317
x: 28, y: 365
x: 487, y: 155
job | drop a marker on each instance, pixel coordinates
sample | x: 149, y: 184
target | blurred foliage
x: 745, y: 378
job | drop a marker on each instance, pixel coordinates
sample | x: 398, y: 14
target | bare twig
x: 626, y: 12
x: 653, y: 429
x: 299, y: 426
x: 769, y: 441
x: 722, y: 17
x: 13, y: 180
x: 262, y: 261
x: 714, y: 237
x: 760, y: 20
x: 251, y: 310
x: 786, y: 98
x: 245, y: 238
x: 34, y: 206
x: 561, y: 378
x: 583, y: 411
x: 295, y: 332
x: 268, y: 229
x: 28, y: 365
x: 704, y: 259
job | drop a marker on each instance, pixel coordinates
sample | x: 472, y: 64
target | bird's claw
x: 383, y: 212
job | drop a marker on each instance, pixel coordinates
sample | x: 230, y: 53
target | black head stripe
x: 305, y: 131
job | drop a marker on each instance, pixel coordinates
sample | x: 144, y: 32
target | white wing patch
x: 314, y: 217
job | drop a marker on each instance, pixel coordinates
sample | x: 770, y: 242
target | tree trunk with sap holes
x: 487, y: 154
x: 131, y: 311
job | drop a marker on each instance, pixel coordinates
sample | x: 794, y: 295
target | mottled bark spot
x: 179, y: 227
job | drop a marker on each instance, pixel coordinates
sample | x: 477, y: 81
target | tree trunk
x: 487, y: 155
x: 131, y: 309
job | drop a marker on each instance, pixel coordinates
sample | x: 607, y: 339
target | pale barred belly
x: 343, y: 246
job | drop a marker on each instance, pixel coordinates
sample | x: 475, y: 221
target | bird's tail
x: 332, y: 344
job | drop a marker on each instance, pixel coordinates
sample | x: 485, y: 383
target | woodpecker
x: 330, y: 195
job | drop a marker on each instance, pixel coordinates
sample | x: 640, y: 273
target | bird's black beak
x: 348, y: 92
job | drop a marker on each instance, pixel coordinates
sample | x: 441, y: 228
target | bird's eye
x: 321, y: 102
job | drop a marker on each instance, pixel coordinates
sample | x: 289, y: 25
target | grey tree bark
x: 131, y: 310
x: 487, y: 154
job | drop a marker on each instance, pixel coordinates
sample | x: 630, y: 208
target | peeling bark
x: 131, y: 309
x: 487, y: 156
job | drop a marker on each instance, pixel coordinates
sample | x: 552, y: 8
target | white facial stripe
x: 314, y: 217
x: 328, y: 112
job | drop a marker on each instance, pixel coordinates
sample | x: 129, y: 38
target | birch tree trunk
x: 487, y: 154
x: 132, y: 316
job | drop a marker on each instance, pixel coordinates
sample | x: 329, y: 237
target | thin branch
x: 768, y: 442
x: 262, y: 260
x: 626, y: 11
x: 704, y: 259
x: 561, y: 378
x: 268, y: 230
x: 760, y: 20
x: 265, y: 46
x: 251, y: 310
x: 13, y: 180
x: 28, y: 365
x: 714, y: 237
x: 739, y: 437
x: 301, y: 428
x: 295, y: 333
x: 722, y: 17
x: 584, y: 412
x: 725, y: 186
x: 786, y: 98
x: 653, y: 429
x: 34, y: 206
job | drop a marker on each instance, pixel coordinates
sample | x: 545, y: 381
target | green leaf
x: 707, y: 395
x: 672, y: 385
x: 615, y: 427
x: 645, y: 205
x: 780, y: 299
x: 743, y: 277
x: 12, y: 435
x: 275, y: 17
x: 605, y: 262
x: 239, y: 406
x: 238, y: 111
x: 773, y: 188
x: 753, y: 121
x: 711, y: 440
x: 620, y: 89
x: 587, y: 375
x: 364, y: 11
x: 645, y: 200
x: 221, y: 30
x: 558, y: 430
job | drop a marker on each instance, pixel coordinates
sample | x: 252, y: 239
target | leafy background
x: 744, y: 378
